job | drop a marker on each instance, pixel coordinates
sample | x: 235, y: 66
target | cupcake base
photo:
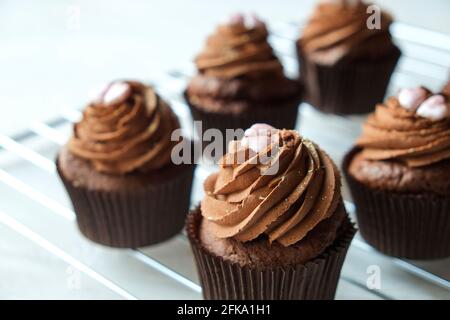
x: 411, y: 226
x: 224, y: 280
x: 347, y: 87
x: 136, y: 217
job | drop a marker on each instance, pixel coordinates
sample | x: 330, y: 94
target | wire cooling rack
x: 34, y: 207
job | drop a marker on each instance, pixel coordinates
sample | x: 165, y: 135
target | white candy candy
x: 116, y: 93
x: 237, y: 18
x: 434, y: 108
x: 259, y: 128
x: 250, y: 21
x: 258, y: 137
x: 110, y: 94
x: 411, y: 98
x: 341, y: 2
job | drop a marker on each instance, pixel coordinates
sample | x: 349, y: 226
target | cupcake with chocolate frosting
x: 399, y: 175
x: 272, y: 224
x: 118, y: 172
x: 346, y: 57
x: 240, y: 81
x: 446, y: 89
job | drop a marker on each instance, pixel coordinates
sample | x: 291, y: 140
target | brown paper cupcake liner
x: 347, y: 87
x: 132, y: 219
x: 224, y: 280
x: 409, y: 226
x: 279, y: 116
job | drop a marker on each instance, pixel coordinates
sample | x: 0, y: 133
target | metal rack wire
x: 27, y: 172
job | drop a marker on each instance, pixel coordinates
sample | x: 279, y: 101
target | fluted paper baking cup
x: 225, y: 280
x: 347, y: 87
x: 413, y: 226
x: 131, y: 219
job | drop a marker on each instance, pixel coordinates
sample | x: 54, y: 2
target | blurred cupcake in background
x: 117, y: 168
x: 399, y: 176
x: 240, y: 81
x: 346, y: 57
x: 446, y: 89
x: 271, y: 229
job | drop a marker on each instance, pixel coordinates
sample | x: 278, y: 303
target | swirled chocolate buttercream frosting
x: 412, y: 127
x: 273, y: 183
x: 238, y: 48
x: 340, y: 29
x: 127, y: 128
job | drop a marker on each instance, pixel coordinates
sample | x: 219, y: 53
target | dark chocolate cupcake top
x: 339, y: 29
x: 284, y: 198
x: 412, y: 127
x: 127, y: 128
x: 238, y: 48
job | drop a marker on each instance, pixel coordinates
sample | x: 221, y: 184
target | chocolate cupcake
x: 118, y: 172
x: 272, y: 224
x: 345, y: 59
x: 240, y: 81
x: 399, y: 176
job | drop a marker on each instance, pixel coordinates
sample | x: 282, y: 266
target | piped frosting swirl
x: 127, y: 128
x: 338, y: 29
x: 244, y: 201
x: 238, y: 48
x: 413, y: 127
